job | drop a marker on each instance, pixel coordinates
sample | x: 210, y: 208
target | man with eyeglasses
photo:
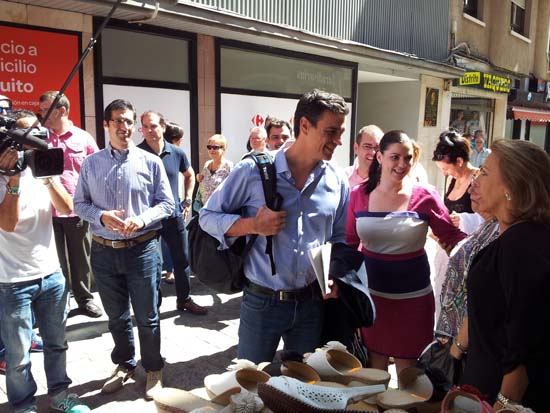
x: 71, y: 232
x: 124, y: 193
x: 365, y: 147
x: 173, y: 230
x: 5, y: 105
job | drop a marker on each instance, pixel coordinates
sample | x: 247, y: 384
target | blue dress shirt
x: 132, y: 180
x: 315, y: 215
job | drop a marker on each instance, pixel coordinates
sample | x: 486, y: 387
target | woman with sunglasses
x: 509, y: 281
x: 214, y: 171
x: 388, y: 217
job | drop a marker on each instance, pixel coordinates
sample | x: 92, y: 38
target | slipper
x: 415, y: 389
x: 180, y: 401
x: 290, y: 368
x: 465, y: 399
x: 337, y: 364
x: 242, y: 375
x: 288, y: 395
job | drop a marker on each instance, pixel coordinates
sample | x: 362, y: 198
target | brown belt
x: 126, y: 243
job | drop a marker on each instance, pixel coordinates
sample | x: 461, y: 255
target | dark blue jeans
x: 124, y: 276
x: 47, y: 298
x: 265, y: 320
x: 173, y: 232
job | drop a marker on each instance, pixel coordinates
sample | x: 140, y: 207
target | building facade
x: 223, y: 66
x: 504, y: 46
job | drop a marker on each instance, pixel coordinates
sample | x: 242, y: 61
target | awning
x: 531, y: 114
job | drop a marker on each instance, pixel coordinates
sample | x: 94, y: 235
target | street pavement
x: 193, y: 346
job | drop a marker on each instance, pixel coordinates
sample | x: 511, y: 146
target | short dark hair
x: 173, y: 132
x: 452, y: 146
x: 50, y: 95
x: 162, y: 121
x: 118, y: 104
x: 277, y: 123
x: 313, y: 104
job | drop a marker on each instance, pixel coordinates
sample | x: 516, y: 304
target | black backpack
x: 222, y: 270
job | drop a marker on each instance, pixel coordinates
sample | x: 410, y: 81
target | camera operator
x: 30, y: 278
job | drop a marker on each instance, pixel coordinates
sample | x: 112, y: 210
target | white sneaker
x: 154, y: 383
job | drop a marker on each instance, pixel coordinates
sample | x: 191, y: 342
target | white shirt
x: 29, y: 252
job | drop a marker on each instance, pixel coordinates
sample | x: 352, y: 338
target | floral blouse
x: 211, y: 180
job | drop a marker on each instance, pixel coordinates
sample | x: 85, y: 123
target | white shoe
x: 154, y: 383
x: 285, y: 394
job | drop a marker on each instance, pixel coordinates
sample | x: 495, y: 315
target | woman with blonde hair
x: 509, y: 280
x: 214, y: 170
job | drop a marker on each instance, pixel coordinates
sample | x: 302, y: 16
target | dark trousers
x: 173, y: 232
x: 73, y: 249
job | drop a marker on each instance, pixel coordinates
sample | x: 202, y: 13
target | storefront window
x: 250, y: 70
x: 469, y: 115
x: 132, y: 55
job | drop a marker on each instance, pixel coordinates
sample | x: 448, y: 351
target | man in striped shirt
x: 124, y: 193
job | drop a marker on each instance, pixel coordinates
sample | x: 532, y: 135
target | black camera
x: 44, y: 162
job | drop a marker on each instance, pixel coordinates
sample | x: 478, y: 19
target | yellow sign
x: 486, y: 81
x: 470, y: 78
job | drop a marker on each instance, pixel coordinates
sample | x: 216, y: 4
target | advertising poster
x: 33, y: 61
x: 430, y: 111
x: 240, y: 113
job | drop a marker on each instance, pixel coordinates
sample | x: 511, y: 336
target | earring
x: 508, y: 196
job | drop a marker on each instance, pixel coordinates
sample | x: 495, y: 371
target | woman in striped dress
x: 388, y: 219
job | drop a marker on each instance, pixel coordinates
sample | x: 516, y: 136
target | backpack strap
x: 273, y: 200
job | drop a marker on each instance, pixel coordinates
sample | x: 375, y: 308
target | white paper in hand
x: 320, y: 260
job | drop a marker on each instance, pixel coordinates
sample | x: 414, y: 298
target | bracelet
x: 460, y: 346
x: 49, y: 184
x: 505, y: 401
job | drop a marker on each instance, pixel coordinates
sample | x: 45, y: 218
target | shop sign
x: 485, y: 81
x: 34, y: 61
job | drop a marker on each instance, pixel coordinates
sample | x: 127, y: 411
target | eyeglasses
x: 5, y: 110
x: 214, y: 147
x: 120, y: 122
x: 369, y: 147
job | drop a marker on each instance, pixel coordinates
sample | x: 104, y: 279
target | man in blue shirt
x: 315, y: 194
x: 124, y: 193
x: 173, y: 230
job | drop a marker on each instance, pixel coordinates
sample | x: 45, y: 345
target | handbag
x: 441, y: 367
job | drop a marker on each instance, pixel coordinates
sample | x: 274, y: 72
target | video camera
x: 44, y: 162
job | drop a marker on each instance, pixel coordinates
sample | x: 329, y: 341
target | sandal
x: 291, y: 368
x: 335, y: 363
x: 415, y: 389
x: 242, y: 375
x: 180, y: 401
x: 288, y: 395
x: 465, y: 399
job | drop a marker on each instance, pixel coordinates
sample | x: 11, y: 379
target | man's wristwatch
x: 13, y: 190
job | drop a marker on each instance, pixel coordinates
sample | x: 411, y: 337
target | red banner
x: 33, y: 61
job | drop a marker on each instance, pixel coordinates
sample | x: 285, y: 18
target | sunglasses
x: 5, y: 110
x: 214, y: 147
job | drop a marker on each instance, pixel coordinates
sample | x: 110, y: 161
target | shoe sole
x: 280, y: 402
